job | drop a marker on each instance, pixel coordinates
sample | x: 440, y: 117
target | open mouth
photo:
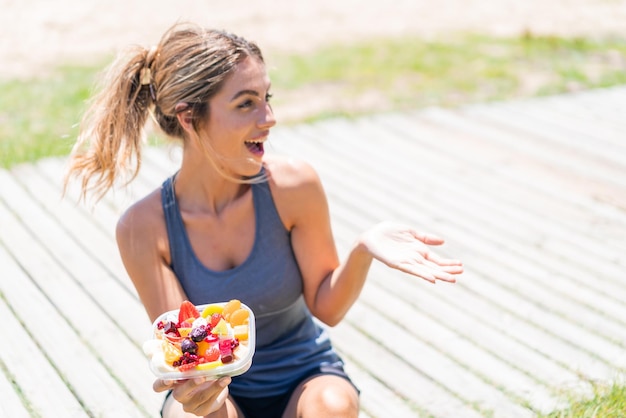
x: 255, y: 147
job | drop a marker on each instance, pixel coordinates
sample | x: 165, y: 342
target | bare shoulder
x: 142, y: 223
x: 288, y: 173
x: 296, y: 188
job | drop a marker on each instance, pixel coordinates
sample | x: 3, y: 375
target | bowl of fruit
x: 215, y: 339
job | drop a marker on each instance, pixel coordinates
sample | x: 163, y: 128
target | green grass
x: 414, y: 73
x: 39, y: 117
x: 607, y: 402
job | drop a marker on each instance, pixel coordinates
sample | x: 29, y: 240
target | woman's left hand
x: 401, y: 247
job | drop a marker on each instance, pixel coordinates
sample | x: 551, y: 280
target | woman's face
x: 240, y: 118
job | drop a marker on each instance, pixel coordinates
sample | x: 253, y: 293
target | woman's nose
x: 267, y: 119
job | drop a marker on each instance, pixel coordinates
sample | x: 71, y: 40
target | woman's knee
x: 339, y: 402
x: 325, y: 395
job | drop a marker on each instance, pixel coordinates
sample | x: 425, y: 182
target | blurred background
x: 327, y: 58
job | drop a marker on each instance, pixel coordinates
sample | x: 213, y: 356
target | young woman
x: 233, y: 222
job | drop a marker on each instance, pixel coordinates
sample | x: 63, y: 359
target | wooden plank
x: 83, y: 245
x: 377, y: 399
x: 11, y: 406
x: 522, y: 387
x: 29, y: 374
x: 421, y: 394
x: 435, y: 366
x: 585, y: 114
x: 578, y: 171
x: 116, y: 381
x: 471, y: 138
x: 103, y: 214
x: 77, y: 222
x: 82, y: 372
x: 572, y: 168
x: 552, y: 190
x: 573, y: 131
x: 461, y: 325
x: 540, y: 352
x: 509, y: 322
x: 602, y: 106
x: 565, y: 137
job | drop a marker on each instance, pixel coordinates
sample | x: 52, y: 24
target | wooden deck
x: 531, y: 195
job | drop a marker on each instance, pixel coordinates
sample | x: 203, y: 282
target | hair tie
x: 145, y: 76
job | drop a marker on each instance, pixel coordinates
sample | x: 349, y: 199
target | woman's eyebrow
x: 248, y: 91
x: 243, y: 93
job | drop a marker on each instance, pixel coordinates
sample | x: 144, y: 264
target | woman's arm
x: 331, y: 286
x: 142, y: 242
x: 396, y: 245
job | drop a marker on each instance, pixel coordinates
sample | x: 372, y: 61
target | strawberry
x: 215, y: 319
x: 187, y: 310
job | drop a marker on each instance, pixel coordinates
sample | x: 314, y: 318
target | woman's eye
x: 245, y: 104
x: 268, y: 97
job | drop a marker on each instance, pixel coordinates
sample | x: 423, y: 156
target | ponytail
x: 112, y: 130
x: 189, y: 66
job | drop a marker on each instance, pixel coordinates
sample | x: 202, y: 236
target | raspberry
x: 171, y: 328
x: 185, y: 359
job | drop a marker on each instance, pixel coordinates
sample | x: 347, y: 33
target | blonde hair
x: 189, y: 66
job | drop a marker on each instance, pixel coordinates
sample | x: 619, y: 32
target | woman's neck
x: 201, y: 188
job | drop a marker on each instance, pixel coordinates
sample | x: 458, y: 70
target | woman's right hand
x: 199, y: 396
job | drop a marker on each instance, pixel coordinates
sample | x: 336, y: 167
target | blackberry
x: 198, y: 334
x: 188, y: 346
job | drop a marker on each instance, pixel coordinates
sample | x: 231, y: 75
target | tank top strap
x: 265, y: 209
x: 173, y: 220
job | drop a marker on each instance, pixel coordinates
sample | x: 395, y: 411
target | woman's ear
x: 185, y: 119
x: 184, y: 116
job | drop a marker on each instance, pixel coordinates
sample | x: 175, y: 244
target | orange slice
x: 231, y: 307
x: 239, y: 317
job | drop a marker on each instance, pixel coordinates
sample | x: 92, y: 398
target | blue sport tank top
x: 289, y: 341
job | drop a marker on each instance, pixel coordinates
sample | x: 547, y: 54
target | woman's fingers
x: 200, y: 396
x: 161, y: 385
x: 431, y: 256
x: 430, y: 270
x: 428, y: 239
